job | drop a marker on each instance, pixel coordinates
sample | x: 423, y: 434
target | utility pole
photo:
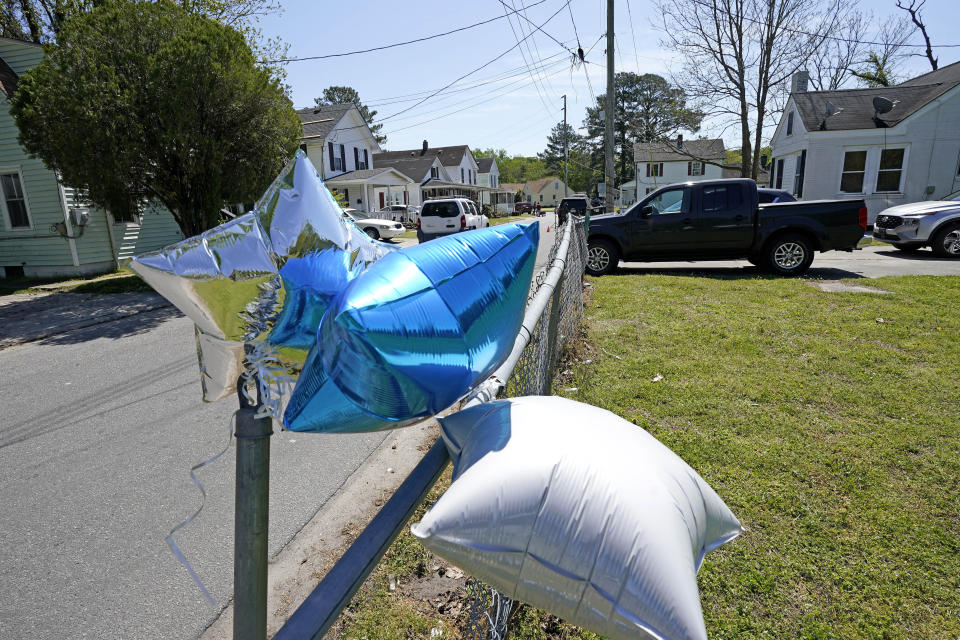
x: 610, y: 107
x: 566, y: 150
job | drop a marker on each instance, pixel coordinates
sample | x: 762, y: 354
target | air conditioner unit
x: 80, y: 216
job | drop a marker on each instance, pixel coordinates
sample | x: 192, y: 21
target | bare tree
x: 736, y: 53
x: 833, y: 63
x: 914, y: 9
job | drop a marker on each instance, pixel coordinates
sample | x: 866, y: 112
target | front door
x: 381, y: 200
x: 666, y: 227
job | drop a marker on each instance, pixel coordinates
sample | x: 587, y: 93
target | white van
x: 441, y: 218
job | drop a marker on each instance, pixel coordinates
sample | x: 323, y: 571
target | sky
x: 513, y: 102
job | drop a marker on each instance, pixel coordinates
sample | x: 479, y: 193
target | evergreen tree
x: 553, y: 155
x: 647, y: 108
x: 349, y: 95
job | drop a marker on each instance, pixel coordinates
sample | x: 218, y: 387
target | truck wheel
x: 372, y: 232
x: 789, y: 254
x: 602, y: 257
x: 946, y: 241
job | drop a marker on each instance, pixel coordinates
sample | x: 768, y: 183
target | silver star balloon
x: 257, y: 286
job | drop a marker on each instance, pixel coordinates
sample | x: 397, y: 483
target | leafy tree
x: 348, y: 95
x: 875, y: 71
x: 148, y: 101
x: 553, y: 155
x: 647, y: 108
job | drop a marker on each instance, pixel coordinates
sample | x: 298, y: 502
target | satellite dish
x: 832, y: 109
x: 882, y: 105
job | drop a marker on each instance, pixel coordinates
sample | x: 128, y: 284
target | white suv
x: 448, y: 215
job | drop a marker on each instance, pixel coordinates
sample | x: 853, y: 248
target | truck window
x: 670, y: 201
x: 726, y: 197
x: 441, y: 209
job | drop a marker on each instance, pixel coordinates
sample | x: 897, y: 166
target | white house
x: 661, y: 163
x: 457, y: 174
x: 418, y: 164
x: 888, y: 145
x: 500, y: 199
x: 338, y: 141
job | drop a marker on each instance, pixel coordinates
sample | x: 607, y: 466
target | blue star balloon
x: 257, y: 286
x: 416, y: 331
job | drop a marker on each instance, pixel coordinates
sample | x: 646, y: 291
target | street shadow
x: 71, y: 318
x: 923, y: 255
x: 748, y: 272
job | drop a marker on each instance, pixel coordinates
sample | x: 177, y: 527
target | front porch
x: 433, y: 189
x: 370, y: 190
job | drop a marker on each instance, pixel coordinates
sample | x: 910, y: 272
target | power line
x: 574, y: 23
x: 517, y: 11
x: 507, y: 75
x: 400, y: 44
x: 633, y: 35
x: 469, y: 73
x: 536, y: 47
x: 523, y: 54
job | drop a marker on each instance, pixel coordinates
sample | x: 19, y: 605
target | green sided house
x: 44, y: 230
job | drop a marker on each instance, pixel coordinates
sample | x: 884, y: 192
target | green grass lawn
x: 831, y: 434
x: 828, y: 422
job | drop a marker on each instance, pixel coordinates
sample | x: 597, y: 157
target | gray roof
x: 857, y: 104
x: 319, y: 121
x: 485, y: 165
x: 670, y: 152
x: 417, y: 167
x: 449, y: 156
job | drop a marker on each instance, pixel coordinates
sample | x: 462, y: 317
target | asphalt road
x: 100, y: 427
x: 869, y: 262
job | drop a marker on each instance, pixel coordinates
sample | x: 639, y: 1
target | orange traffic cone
x: 548, y: 228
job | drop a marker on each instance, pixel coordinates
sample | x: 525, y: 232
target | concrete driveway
x: 869, y: 262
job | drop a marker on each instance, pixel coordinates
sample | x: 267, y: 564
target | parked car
x: 375, y: 227
x: 767, y: 196
x: 475, y: 219
x: 934, y: 223
x: 577, y: 204
x: 442, y: 217
x: 720, y: 220
x: 522, y: 207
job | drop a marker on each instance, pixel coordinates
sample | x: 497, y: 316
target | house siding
x: 351, y: 132
x: 931, y: 138
x: 39, y: 250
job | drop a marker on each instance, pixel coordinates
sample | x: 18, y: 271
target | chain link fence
x: 488, y: 610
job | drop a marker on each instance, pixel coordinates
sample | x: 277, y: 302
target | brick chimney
x: 679, y: 141
x: 424, y: 151
x: 799, y: 82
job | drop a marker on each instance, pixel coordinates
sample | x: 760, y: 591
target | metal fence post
x: 251, y: 524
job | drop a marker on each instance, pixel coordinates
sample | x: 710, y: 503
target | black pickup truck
x: 722, y: 220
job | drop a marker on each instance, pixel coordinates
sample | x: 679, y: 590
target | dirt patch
x: 838, y: 286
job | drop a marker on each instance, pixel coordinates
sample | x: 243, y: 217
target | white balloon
x: 572, y: 509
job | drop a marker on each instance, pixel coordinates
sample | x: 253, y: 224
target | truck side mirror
x: 647, y: 211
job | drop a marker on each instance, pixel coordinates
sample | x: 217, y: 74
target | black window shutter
x: 661, y: 170
x: 356, y: 158
x: 330, y: 147
x: 689, y: 168
x: 648, y: 169
x: 366, y: 160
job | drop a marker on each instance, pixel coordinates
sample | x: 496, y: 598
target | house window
x: 360, y: 159
x: 890, y: 171
x: 694, y: 168
x: 798, y: 174
x: 790, y: 123
x: 337, y: 162
x: 461, y: 175
x: 124, y: 214
x: 851, y: 178
x: 780, y: 173
x: 654, y: 169
x: 434, y: 172
x: 15, y: 201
